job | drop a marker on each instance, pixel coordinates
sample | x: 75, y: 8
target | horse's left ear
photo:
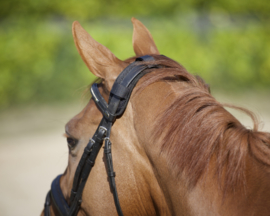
x: 143, y: 42
x: 98, y: 58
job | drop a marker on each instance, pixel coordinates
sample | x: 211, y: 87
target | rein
x: 118, y: 100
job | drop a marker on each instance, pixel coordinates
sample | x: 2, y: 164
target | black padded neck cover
x: 125, y: 83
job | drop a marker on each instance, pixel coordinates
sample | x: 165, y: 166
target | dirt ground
x: 33, y: 151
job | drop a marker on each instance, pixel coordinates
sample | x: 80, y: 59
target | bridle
x: 118, y: 100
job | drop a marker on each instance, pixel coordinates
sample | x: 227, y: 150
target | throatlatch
x: 118, y: 100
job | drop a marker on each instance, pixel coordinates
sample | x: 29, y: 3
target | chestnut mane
x: 196, y: 128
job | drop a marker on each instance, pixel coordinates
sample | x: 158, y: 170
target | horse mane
x: 196, y: 129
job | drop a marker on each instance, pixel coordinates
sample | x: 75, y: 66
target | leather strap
x: 58, y: 198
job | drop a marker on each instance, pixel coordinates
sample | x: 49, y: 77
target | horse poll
x: 169, y: 147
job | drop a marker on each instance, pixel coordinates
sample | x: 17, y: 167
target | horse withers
x: 176, y: 150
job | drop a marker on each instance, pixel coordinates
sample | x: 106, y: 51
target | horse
x: 176, y: 150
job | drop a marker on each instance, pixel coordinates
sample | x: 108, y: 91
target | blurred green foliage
x: 90, y: 9
x: 225, y: 42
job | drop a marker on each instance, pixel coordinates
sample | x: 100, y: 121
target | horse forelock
x: 196, y: 129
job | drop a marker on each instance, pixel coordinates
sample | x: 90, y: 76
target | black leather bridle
x: 118, y: 100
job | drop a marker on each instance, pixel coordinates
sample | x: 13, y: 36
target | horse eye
x: 71, y: 142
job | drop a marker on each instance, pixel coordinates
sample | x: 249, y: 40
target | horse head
x: 176, y: 150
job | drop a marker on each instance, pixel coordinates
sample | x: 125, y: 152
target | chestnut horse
x: 176, y: 150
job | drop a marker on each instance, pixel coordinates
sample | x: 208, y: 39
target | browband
x: 118, y: 100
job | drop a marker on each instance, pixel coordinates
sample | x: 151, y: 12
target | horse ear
x: 98, y: 58
x: 143, y: 42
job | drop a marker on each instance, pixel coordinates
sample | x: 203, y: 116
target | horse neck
x: 251, y: 196
x: 145, y: 108
x: 204, y: 195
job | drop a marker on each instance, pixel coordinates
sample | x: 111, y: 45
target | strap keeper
x: 78, y: 200
x: 73, y: 193
x: 108, y: 116
x: 145, y: 58
x: 92, y: 163
x: 87, y: 150
x: 119, y: 90
x: 107, y: 151
x: 111, y: 174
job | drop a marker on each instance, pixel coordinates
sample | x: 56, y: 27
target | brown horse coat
x: 176, y: 150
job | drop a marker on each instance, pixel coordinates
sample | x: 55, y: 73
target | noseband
x: 118, y: 100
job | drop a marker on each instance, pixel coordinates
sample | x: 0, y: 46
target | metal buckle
x: 103, y: 128
x: 107, y: 138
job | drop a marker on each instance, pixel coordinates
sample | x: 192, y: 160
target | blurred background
x: 42, y: 77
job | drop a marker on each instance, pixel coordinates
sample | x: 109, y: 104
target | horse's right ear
x: 143, y: 42
x: 98, y: 58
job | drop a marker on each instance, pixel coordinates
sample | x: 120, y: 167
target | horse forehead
x: 81, y: 122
